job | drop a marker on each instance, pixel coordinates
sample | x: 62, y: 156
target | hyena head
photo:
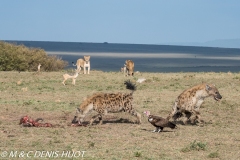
x: 77, y: 116
x: 213, y: 91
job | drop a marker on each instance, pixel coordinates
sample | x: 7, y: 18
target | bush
x: 21, y: 58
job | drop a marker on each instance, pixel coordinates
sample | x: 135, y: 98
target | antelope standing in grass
x: 39, y: 67
x: 68, y: 76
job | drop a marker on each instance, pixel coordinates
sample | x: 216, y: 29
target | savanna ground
x: 43, y: 95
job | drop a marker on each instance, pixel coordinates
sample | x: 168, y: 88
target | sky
x: 120, y: 21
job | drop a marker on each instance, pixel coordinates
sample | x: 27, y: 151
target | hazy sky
x: 120, y: 21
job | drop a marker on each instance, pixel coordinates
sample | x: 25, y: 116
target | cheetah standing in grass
x: 189, y: 101
x: 104, y: 103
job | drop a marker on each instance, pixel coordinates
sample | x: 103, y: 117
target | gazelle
x: 39, y: 66
x: 68, y: 76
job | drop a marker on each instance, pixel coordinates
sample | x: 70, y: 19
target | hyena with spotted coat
x: 104, y: 103
x: 189, y: 101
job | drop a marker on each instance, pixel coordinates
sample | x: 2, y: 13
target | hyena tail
x: 130, y: 85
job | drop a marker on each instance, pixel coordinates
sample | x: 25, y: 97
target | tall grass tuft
x: 197, y: 146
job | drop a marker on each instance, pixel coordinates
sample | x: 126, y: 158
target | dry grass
x: 43, y: 95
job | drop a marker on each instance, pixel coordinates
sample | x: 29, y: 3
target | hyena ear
x: 208, y: 87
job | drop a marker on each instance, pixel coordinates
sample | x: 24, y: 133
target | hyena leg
x: 174, y: 113
x: 98, y: 116
x: 193, y: 119
x: 187, y: 117
x: 100, y: 120
x: 198, y: 117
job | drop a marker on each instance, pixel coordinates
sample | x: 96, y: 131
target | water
x: 147, y: 58
x: 157, y: 64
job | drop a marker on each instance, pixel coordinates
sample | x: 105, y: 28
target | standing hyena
x: 189, y: 101
x: 104, y: 103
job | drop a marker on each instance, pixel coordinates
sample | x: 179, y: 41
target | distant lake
x: 158, y: 62
x: 147, y: 58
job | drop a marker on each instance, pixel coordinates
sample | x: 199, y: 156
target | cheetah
x: 189, y: 101
x: 104, y: 103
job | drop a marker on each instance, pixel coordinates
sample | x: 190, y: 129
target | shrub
x: 21, y: 58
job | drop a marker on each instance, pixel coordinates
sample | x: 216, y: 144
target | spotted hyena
x: 189, y: 101
x: 104, y: 103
